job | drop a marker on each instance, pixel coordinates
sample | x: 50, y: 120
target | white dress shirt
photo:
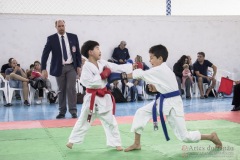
x: 69, y: 60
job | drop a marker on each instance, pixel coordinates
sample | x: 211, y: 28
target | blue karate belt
x: 154, y: 111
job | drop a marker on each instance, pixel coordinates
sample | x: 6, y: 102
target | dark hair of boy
x: 87, y: 46
x: 159, y: 51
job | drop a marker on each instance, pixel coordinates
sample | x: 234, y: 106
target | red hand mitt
x: 105, y: 73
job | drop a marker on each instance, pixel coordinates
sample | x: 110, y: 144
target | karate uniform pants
x: 177, y: 123
x: 109, y: 124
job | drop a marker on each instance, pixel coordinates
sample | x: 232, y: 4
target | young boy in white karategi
x: 168, y: 102
x: 98, y: 102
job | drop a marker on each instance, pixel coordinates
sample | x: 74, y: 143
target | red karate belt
x: 226, y: 86
x: 100, y: 93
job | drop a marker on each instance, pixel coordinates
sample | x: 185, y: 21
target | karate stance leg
x: 80, y: 128
x: 111, y: 129
x: 140, y: 120
x: 178, y: 125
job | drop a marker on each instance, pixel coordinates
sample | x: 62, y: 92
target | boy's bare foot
x: 69, y: 145
x: 119, y: 148
x: 133, y: 147
x: 216, y: 140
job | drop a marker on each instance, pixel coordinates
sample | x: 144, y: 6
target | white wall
x: 120, y: 7
x: 24, y: 36
x: 205, y: 7
x: 84, y: 7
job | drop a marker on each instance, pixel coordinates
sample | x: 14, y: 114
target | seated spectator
x: 200, y: 68
x: 140, y: 62
x: 178, y: 70
x: 37, y: 74
x: 120, y: 54
x: 3, y: 69
x: 18, y: 79
x: 140, y: 83
x: 6, y: 66
x: 236, y: 97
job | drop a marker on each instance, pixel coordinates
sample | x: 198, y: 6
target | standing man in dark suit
x: 65, y: 65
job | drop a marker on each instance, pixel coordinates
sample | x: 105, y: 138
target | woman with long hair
x: 178, y: 69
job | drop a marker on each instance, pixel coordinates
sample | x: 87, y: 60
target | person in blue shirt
x: 120, y: 54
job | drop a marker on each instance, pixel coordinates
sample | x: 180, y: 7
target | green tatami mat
x: 49, y: 144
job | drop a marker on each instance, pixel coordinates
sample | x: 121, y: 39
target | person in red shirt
x: 36, y: 73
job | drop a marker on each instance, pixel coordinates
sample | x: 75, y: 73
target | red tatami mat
x: 229, y: 116
x: 20, y: 125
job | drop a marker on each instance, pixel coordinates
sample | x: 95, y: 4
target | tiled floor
x: 18, y: 112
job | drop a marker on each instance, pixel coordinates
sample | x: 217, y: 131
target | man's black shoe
x: 133, y: 100
x: 236, y: 108
x: 60, y: 116
x: 8, y: 105
x: 74, y: 115
x: 188, y: 97
x: 26, y: 103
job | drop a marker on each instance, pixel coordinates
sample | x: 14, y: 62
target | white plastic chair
x: 31, y: 93
x: 196, y: 92
x: 3, y: 89
x: 11, y: 91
